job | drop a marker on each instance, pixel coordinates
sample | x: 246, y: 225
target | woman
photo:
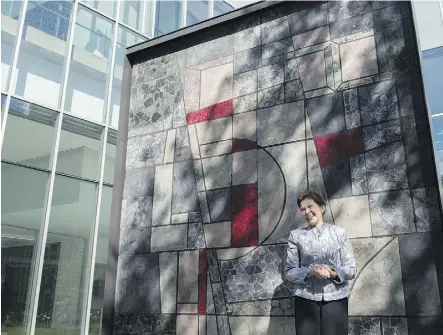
x: 320, y: 262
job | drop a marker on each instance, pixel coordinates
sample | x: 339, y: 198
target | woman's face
x: 312, y: 212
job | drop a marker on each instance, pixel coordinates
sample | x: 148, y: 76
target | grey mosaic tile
x: 182, y: 154
x: 352, y: 111
x: 210, y: 308
x: 213, y: 266
x: 390, y: 14
x: 244, y: 126
x: 328, y: 107
x: 196, y: 237
x: 358, y: 59
x: 273, y: 60
x: 425, y: 325
x: 188, y: 265
x: 217, y: 171
x: 364, y: 326
x: 277, y: 48
x: 291, y: 70
x: 184, y: 188
x: 219, y: 299
x: 271, y: 96
x: 218, y: 48
x: 340, y: 10
x: 182, y: 137
x: 245, y: 103
x: 179, y: 114
x: 312, y: 70
x: 312, y: 49
x: 312, y: 37
x: 391, y: 213
x: 139, y: 183
x: 168, y: 281
x: 359, y: 181
x: 378, y: 102
x: 247, y: 39
x: 223, y: 325
x: 144, y: 323
x: 393, y: 326
x: 270, y: 75
x: 245, y: 83
x: 136, y: 213
x: 138, y: 284
x: 146, y: 150
x: 337, y: 179
x: 351, y: 26
x: 274, y: 30
x: 167, y: 238
x: 244, y: 167
x: 135, y: 241
x: 219, y: 202
x: 194, y: 217
x: 247, y: 60
x: 427, y: 209
x: 308, y: 19
x: 293, y: 90
x: 382, y: 133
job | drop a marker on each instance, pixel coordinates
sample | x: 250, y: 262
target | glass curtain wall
x: 62, y: 66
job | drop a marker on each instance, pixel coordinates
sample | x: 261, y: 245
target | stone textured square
x: 218, y: 235
x: 168, y: 281
x: 276, y: 50
x: 187, y: 324
x: 340, y: 10
x: 328, y: 107
x: 217, y: 171
x: 188, y: 264
x: 139, y: 183
x: 312, y: 37
x: 352, y: 110
x: 146, y: 150
x: 244, y: 167
x: 308, y: 19
x: 391, y: 213
x: 247, y: 39
x: 214, y: 130
x: 312, y: 70
x: 135, y: 241
x: 427, y: 210
x: 219, y: 203
x: 358, y: 59
x: 247, y: 60
x: 136, y: 213
x: 245, y: 126
x: 293, y: 90
x: 337, y: 179
x: 351, y: 25
x: 359, y: 180
x: 275, y: 30
x: 395, y: 325
x: 270, y: 75
x: 353, y: 214
x: 192, y: 90
x: 291, y: 70
x: 208, y: 51
x: 245, y: 103
x: 271, y: 96
x: 364, y: 325
x: 280, y: 124
x: 377, y: 135
x: 169, y: 238
x: 216, y: 85
x: 245, y: 83
x: 184, y: 188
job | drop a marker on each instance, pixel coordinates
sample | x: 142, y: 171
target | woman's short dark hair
x: 311, y: 195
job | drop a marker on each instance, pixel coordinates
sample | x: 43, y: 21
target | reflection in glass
x: 221, y: 7
x: 69, y: 235
x: 10, y: 23
x: 42, y: 51
x: 22, y: 216
x: 433, y: 79
x: 90, y: 64
x: 101, y: 259
x: 438, y: 134
x: 125, y: 38
x: 80, y: 147
x: 108, y: 176
x: 167, y: 17
x: 197, y: 11
x: 29, y: 134
x: 106, y: 7
x: 3, y: 105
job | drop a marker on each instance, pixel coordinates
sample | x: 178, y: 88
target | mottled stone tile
x: 274, y: 30
x: 204, y: 207
x: 273, y: 212
x: 337, y: 179
x: 187, y: 324
x: 425, y: 325
x: 386, y: 168
x: 216, y: 85
x: 393, y: 326
x: 138, y: 284
x: 359, y: 180
x: 136, y: 213
x: 188, y: 274
x: 213, y: 63
x: 358, y: 59
x: 184, y: 188
x: 249, y: 325
x: 247, y: 60
x: 217, y: 171
x: 245, y: 83
x: 218, y: 235
x: 216, y: 149
x: 217, y: 48
x: 144, y: 323
x: 161, y: 208
x: 223, y: 327
x: 375, y: 257
x: 291, y: 70
x: 219, y: 202
x: 312, y: 37
x: 311, y: 49
x: 245, y: 126
x: 312, y: 70
x: 198, y: 170
x: 271, y: 96
x: 182, y: 137
x: 328, y: 107
x: 410, y: 97
x: 231, y: 253
x: 245, y: 103
x: 382, y: 133
x: 219, y: 299
x: 214, y: 130
x: 169, y: 147
x: 135, y: 241
x: 194, y: 217
x: 146, y: 150
x: 213, y: 270
x: 210, y: 308
x: 168, y: 281
x: 293, y: 90
x: 270, y: 75
x: 247, y: 39
x: 392, y: 13
x: 196, y: 237
x: 419, y: 254
x: 351, y: 25
x: 340, y: 10
x: 192, y: 90
x: 244, y: 167
x: 280, y: 124
x: 139, y: 183
x: 364, y: 326
x: 278, y: 48
x: 308, y: 19
x: 187, y: 308
x: 273, y: 60
x: 427, y: 210
x: 352, y: 213
x: 169, y: 238
x: 391, y: 213
x: 352, y: 111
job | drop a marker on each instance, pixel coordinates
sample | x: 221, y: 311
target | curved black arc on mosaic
x: 284, y: 196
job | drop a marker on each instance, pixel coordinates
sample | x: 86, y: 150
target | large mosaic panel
x: 223, y: 136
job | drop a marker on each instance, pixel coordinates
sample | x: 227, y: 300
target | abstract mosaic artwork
x: 225, y: 134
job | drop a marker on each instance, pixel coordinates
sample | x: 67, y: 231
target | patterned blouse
x: 308, y: 247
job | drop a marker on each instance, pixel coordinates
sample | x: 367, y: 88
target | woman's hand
x: 319, y: 271
x: 332, y: 273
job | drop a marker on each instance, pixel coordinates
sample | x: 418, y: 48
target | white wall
x: 428, y: 15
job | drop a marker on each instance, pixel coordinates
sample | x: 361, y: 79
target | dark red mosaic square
x: 202, y: 282
x: 216, y: 111
x: 244, y: 230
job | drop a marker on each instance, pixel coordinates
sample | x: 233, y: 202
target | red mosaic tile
x: 202, y: 282
x: 216, y: 111
x: 239, y: 144
x: 333, y: 148
x: 244, y: 230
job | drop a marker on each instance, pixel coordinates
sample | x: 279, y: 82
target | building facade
x: 62, y: 72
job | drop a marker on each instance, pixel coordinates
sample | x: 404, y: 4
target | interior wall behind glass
x: 42, y: 51
x: 196, y: 11
x: 167, y: 16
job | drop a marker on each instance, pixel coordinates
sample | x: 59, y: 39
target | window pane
x: 66, y: 255
x: 29, y: 134
x: 221, y: 7
x: 22, y: 216
x: 438, y: 132
x: 106, y: 7
x: 167, y: 17
x: 90, y: 64
x: 101, y: 259
x: 197, y: 11
x: 10, y: 17
x: 125, y: 38
x: 80, y: 147
x: 42, y: 51
x: 433, y: 79
x: 108, y: 174
x: 3, y: 105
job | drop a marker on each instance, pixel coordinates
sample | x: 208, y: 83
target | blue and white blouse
x: 311, y: 246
